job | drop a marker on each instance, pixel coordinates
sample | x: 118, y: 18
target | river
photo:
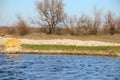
x: 56, y: 67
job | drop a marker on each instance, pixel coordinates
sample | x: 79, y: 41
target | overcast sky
x: 9, y: 8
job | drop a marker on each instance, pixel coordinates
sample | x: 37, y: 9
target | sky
x: 26, y: 8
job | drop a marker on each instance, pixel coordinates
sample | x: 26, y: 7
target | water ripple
x: 41, y: 67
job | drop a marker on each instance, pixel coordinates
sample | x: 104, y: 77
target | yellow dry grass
x: 12, y: 45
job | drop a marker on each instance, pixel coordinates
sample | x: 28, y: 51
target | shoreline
x: 66, y: 52
x: 60, y: 53
x: 66, y: 47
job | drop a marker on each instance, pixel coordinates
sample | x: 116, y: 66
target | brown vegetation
x: 51, y: 14
x: 53, y: 20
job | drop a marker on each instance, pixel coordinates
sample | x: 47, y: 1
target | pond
x: 49, y: 67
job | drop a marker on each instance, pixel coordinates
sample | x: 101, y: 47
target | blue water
x: 46, y: 67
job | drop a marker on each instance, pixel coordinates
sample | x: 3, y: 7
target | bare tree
x: 117, y: 25
x: 97, y: 20
x: 51, y: 13
x: 84, y: 25
x: 110, y: 23
x: 21, y: 26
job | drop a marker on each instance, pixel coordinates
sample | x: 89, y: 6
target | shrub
x: 21, y: 27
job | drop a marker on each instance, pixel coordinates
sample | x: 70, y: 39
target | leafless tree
x: 72, y: 25
x: 110, y: 23
x: 84, y: 25
x: 117, y: 21
x: 97, y: 20
x: 51, y: 13
x: 21, y: 26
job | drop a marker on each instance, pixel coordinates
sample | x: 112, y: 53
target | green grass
x: 111, y: 51
x: 71, y: 48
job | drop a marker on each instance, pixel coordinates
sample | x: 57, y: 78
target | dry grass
x: 105, y: 38
x: 36, y: 34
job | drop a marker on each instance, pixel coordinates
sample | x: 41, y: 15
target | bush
x: 11, y: 30
x: 21, y: 27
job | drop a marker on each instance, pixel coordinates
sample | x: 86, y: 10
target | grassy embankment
x: 74, y: 50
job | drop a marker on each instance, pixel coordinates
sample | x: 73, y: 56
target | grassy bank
x: 75, y: 50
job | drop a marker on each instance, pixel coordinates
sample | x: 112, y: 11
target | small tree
x: 21, y: 26
x: 85, y: 24
x: 97, y: 20
x: 51, y: 13
x: 71, y: 23
x: 117, y: 25
x: 110, y: 23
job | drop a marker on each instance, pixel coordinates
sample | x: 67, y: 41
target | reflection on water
x: 41, y: 67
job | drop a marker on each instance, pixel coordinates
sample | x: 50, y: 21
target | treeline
x: 53, y: 20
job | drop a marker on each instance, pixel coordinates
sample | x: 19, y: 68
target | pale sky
x: 9, y: 8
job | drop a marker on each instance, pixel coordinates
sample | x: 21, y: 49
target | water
x: 43, y: 67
